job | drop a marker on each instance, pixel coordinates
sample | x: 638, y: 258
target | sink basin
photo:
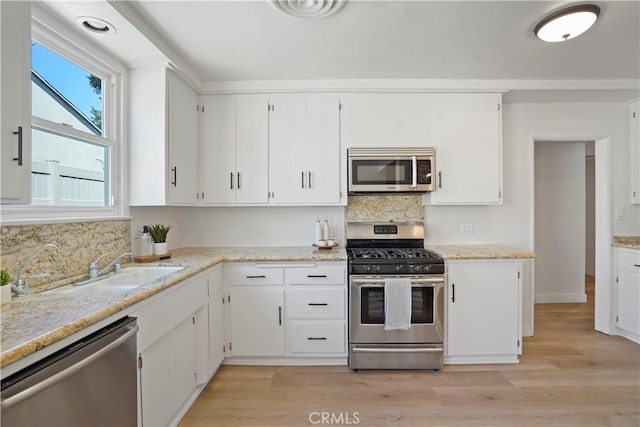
x: 128, y: 279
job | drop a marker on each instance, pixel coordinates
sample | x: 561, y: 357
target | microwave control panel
x: 424, y: 171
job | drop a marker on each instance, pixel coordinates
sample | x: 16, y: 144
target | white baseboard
x: 560, y: 298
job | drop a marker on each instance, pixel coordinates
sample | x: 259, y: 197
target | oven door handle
x: 414, y: 169
x: 397, y: 350
x: 417, y: 282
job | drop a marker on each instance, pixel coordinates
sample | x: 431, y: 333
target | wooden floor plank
x: 569, y: 375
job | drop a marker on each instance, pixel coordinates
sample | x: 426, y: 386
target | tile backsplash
x: 80, y: 243
x: 384, y: 208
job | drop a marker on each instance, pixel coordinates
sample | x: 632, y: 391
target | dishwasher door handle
x: 29, y: 392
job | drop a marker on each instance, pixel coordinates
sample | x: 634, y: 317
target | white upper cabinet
x: 15, y: 86
x: 467, y: 136
x: 634, y: 135
x: 163, y: 139
x: 304, y: 149
x: 235, y: 149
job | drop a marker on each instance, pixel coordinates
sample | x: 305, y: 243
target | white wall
x: 559, y: 221
x: 173, y: 216
x: 257, y: 226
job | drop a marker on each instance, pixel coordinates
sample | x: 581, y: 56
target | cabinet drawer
x: 317, y: 337
x: 629, y: 260
x: 320, y: 275
x: 252, y: 275
x: 316, y: 303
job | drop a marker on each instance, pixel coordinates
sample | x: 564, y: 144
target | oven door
x: 366, y: 311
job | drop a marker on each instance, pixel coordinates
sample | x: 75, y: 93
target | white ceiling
x: 251, y: 40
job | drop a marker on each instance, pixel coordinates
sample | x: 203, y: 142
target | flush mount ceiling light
x: 313, y: 9
x: 95, y: 25
x: 567, y: 23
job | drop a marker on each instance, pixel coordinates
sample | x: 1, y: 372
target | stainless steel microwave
x: 385, y: 170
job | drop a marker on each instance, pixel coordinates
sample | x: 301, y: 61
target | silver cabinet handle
x: 414, y: 168
x: 19, y: 158
x: 65, y: 373
x: 231, y: 180
x: 309, y: 180
x: 175, y: 176
x: 302, y: 179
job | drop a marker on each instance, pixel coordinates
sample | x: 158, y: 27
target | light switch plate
x: 620, y: 213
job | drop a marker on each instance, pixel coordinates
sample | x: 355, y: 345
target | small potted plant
x: 158, y: 233
x: 5, y: 286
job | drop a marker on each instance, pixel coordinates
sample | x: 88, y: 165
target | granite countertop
x: 629, y: 242
x: 35, y: 321
x: 451, y: 252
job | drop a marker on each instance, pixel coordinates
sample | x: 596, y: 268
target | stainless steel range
x: 379, y: 252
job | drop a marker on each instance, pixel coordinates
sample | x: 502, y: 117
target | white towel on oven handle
x: 397, y: 304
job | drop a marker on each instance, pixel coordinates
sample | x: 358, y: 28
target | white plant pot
x: 160, y: 248
x: 5, y: 294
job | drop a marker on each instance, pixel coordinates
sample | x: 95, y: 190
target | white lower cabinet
x: 287, y: 313
x: 484, y: 305
x: 172, y: 359
x: 627, y: 262
x: 257, y: 326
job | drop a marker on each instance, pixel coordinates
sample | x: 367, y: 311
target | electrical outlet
x: 466, y: 229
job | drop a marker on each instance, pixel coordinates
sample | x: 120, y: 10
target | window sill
x: 26, y: 215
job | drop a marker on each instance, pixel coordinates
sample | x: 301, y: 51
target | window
x: 70, y: 151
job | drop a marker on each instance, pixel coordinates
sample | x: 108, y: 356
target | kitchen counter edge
x: 479, y: 251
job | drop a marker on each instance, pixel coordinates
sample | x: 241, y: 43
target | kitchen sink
x: 128, y: 279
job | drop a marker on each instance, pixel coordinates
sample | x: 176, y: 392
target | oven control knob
x: 417, y: 268
x: 398, y: 268
x: 376, y: 268
x: 367, y: 268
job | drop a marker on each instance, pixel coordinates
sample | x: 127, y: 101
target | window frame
x: 55, y: 36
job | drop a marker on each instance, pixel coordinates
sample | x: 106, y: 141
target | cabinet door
x: 167, y: 376
x: 257, y: 321
x: 182, y: 184
x: 468, y: 140
x: 216, y: 331
x: 288, y: 149
x: 323, y: 149
x: 252, y: 149
x: 483, y: 309
x: 219, y: 149
x: 15, y: 86
x: 628, y: 317
x: 634, y: 117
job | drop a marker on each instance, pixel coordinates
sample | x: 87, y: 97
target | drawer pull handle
x: 318, y: 303
x: 317, y: 338
x: 317, y: 276
x: 256, y: 277
x: 636, y: 265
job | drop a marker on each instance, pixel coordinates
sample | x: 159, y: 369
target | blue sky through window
x: 67, y: 78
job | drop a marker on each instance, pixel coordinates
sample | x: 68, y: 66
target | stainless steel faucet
x: 94, y: 273
x: 20, y: 286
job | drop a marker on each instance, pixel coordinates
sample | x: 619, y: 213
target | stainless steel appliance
x: 383, y: 170
x: 89, y: 383
x: 379, y: 251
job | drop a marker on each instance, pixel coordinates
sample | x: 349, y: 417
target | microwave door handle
x: 414, y: 171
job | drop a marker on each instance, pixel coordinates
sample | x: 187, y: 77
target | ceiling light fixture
x: 95, y: 25
x: 567, y: 23
x: 312, y: 9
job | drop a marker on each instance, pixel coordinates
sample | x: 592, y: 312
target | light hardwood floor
x: 569, y: 375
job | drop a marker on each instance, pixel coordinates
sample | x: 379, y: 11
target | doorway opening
x: 571, y: 226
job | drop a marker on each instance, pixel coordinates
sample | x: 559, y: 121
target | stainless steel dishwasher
x: 89, y: 383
